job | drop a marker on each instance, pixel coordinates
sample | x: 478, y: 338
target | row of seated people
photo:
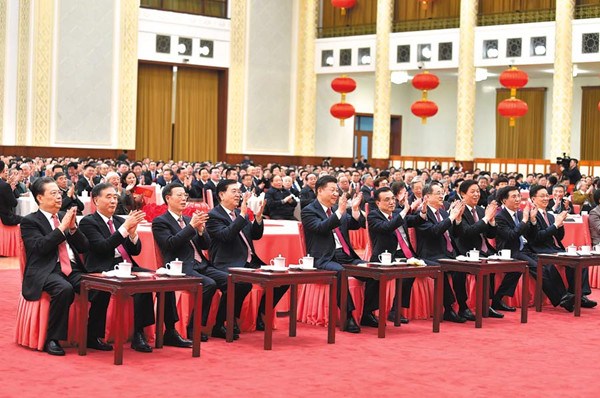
x: 106, y: 239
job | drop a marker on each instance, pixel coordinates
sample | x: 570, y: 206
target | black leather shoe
x: 139, y: 343
x: 501, y: 306
x: 568, y: 302
x: 492, y: 313
x: 392, y: 317
x: 587, y: 303
x: 236, y: 328
x: 98, y: 344
x: 368, y: 319
x: 467, y: 314
x: 174, y: 339
x: 260, y: 324
x: 190, y: 335
x: 351, y: 326
x: 219, y: 331
x: 52, y: 347
x: 451, y: 316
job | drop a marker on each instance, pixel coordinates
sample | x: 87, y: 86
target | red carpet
x: 554, y: 355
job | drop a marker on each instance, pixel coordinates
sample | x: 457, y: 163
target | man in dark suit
x: 557, y: 204
x: 114, y: 240
x: 550, y: 232
x: 151, y: 174
x: 248, y: 185
x: 516, y: 229
x: 232, y: 235
x: 308, y: 193
x: 69, y: 198
x: 326, y: 229
x: 387, y: 232
x: 184, y: 238
x: 478, y: 226
x: 52, y: 245
x: 8, y: 198
x: 86, y: 180
x: 367, y: 189
x: 435, y: 240
x: 280, y: 201
x: 211, y: 184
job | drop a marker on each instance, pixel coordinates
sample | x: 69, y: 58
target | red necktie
x: 249, y: 258
x: 120, y: 248
x: 484, y: 246
x: 63, y: 253
x: 548, y: 224
x: 197, y: 255
x: 338, y: 233
x: 449, y: 247
x: 405, y: 249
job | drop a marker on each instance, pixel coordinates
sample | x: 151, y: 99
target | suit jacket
x: 227, y: 248
x: 543, y: 241
x: 382, y: 232
x: 367, y: 197
x: 174, y: 242
x: 83, y: 185
x: 307, y: 196
x: 41, y: 248
x: 594, y: 221
x: 508, y: 232
x: 471, y: 232
x: 8, y: 203
x: 275, y: 208
x: 318, y: 231
x: 101, y: 256
x: 210, y: 185
x: 431, y: 244
x: 561, y: 208
x: 68, y: 202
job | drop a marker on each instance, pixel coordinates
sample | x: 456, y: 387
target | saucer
x: 174, y: 275
x: 126, y: 276
x: 300, y: 267
x: 278, y: 269
x: 584, y: 254
x: 468, y: 259
x: 568, y: 254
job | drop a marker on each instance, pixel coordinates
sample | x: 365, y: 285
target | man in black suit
x: 516, y: 229
x: 280, y: 201
x: 367, y: 189
x: 211, y: 184
x: 435, y: 240
x: 184, y: 238
x: 114, y: 240
x: 326, y: 229
x: 232, y: 235
x: 69, y: 198
x: 8, y: 198
x: 308, y: 193
x: 387, y: 232
x: 548, y: 240
x: 52, y: 245
x: 478, y: 226
x: 248, y: 185
x: 86, y: 180
x: 558, y: 203
x: 151, y: 174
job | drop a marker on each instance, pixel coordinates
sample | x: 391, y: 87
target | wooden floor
x: 9, y: 263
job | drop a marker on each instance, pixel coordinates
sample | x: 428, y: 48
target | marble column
x: 562, y: 83
x: 465, y: 100
x: 3, y: 43
x: 381, y: 114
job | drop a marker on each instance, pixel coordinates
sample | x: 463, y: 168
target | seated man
x: 387, y: 233
x: 559, y: 203
x: 69, y: 198
x: 184, y: 238
x: 477, y: 227
x: 232, y: 235
x: 550, y: 232
x: 280, y: 201
x: 435, y: 240
x: 8, y: 198
x: 52, y: 245
x: 516, y: 229
x: 326, y: 227
x: 114, y: 240
x: 594, y: 220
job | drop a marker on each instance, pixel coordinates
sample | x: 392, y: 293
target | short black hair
x: 379, y: 191
x: 98, y: 188
x: 58, y: 175
x: 87, y: 166
x: 428, y: 188
x: 535, y: 189
x: 2, y: 166
x: 38, y: 187
x: 397, y: 186
x: 504, y: 192
x: 323, y: 181
x: 169, y: 188
x: 597, y: 196
x: 222, y: 186
x: 57, y: 166
x: 499, y: 180
x: 464, y: 187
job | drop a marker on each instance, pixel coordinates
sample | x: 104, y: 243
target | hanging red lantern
x: 513, y: 108
x: 424, y: 108
x: 343, y: 85
x: 343, y: 4
x: 342, y: 111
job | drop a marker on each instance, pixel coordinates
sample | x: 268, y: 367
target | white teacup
x: 586, y: 249
x: 584, y: 213
x: 504, y: 254
x: 597, y: 248
x: 278, y: 262
x: 572, y: 249
x: 307, y: 262
x: 123, y: 269
x: 174, y: 267
x: 473, y: 254
x: 385, y: 258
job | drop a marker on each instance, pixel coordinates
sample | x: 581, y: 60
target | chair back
x: 587, y: 236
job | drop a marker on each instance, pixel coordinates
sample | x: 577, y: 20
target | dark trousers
x: 241, y: 291
x: 209, y: 287
x: 407, y: 284
x: 585, y: 281
x: 507, y: 287
x: 278, y: 292
x: 552, y: 283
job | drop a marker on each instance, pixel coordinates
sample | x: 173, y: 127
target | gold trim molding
x: 128, y: 70
x: 3, y: 27
x: 236, y: 96
x: 24, y: 38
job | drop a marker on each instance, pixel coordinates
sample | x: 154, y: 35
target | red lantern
x: 343, y: 85
x: 512, y: 108
x: 424, y: 109
x: 342, y: 111
x: 425, y: 81
x: 343, y: 4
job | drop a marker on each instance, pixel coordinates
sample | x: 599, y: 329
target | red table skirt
x: 358, y: 238
x: 9, y: 240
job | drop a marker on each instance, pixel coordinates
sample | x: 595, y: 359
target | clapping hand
x: 261, y: 208
x: 559, y: 219
x: 342, y: 204
x: 135, y: 217
x: 244, y: 205
x: 198, y: 221
x: 356, y: 201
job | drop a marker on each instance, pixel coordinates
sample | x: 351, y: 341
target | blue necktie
x: 521, y: 239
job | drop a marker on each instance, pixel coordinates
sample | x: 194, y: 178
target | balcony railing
x: 504, y: 18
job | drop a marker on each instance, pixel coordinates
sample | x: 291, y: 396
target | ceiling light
x: 329, y: 60
x: 365, y: 60
x: 481, y: 74
x: 204, y: 50
x: 539, y: 50
x: 181, y: 48
x: 492, y: 52
x: 399, y: 76
x: 426, y: 52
